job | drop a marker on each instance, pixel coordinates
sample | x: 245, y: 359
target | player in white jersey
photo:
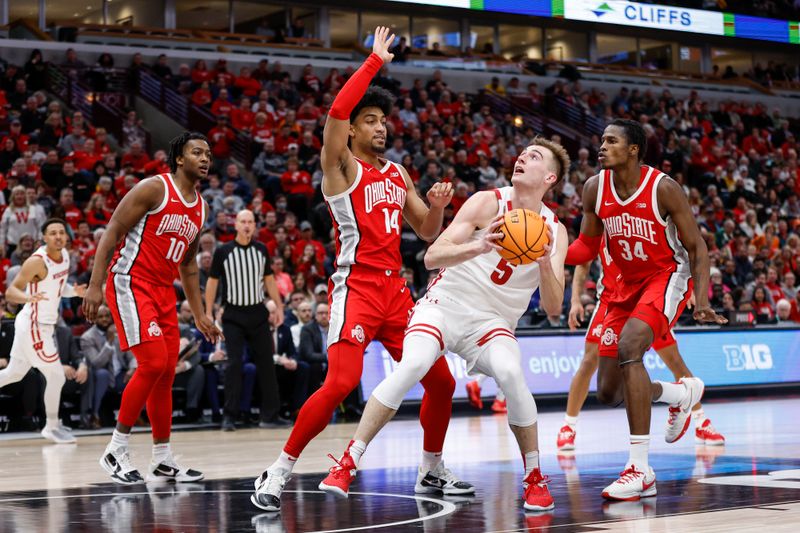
x: 472, y: 308
x: 40, y: 285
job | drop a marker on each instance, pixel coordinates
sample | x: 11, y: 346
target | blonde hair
x: 560, y: 156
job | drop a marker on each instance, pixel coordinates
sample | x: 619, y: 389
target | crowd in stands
x: 737, y: 162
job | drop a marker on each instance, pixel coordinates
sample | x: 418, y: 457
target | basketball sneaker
x: 499, y: 406
x: 339, y: 476
x: 566, y: 439
x: 632, y: 485
x: 117, y: 463
x: 536, y: 494
x: 441, y: 480
x: 169, y: 471
x: 679, y: 414
x: 58, y: 434
x: 474, y: 394
x: 269, y: 486
x: 708, y: 435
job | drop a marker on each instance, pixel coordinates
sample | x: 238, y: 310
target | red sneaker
x: 708, y: 435
x: 340, y: 476
x: 474, y: 395
x: 499, y: 406
x: 537, y: 495
x: 566, y: 439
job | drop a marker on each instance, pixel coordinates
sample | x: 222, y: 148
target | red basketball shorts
x: 142, y: 311
x: 366, y: 305
x: 658, y: 301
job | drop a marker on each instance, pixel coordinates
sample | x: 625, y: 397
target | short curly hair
x: 177, y: 145
x: 374, y: 97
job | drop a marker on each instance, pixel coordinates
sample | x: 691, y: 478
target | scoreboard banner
x: 640, y: 15
x: 719, y: 357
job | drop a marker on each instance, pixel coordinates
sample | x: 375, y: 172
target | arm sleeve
x: 217, y: 264
x: 352, y: 91
x: 583, y: 249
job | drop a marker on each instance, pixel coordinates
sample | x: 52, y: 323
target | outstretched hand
x: 381, y: 44
x: 440, y: 194
x: 706, y: 315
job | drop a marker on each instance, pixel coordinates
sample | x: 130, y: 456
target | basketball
x: 524, y: 237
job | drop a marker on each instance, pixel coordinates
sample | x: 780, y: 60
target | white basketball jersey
x: 46, y: 311
x: 490, y: 283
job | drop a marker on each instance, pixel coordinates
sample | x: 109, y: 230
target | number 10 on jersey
x: 176, y: 249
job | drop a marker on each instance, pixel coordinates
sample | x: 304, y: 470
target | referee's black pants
x: 249, y: 324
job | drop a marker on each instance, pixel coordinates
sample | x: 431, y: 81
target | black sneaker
x: 275, y: 422
x: 118, y: 465
x: 441, y: 480
x: 227, y: 424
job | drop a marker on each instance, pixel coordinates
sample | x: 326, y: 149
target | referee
x: 244, y: 266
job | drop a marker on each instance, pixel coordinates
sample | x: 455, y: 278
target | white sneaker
x: 170, y: 471
x: 58, y: 434
x: 632, y: 485
x: 269, y: 487
x: 680, y: 413
x: 117, y: 463
x: 441, y: 480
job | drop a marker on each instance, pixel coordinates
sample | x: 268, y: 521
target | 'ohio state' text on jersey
x: 639, y: 241
x: 367, y: 217
x: 155, y: 247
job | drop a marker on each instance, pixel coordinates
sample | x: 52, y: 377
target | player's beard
x: 379, y: 149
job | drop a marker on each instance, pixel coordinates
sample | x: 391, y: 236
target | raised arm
x: 145, y: 196
x: 453, y: 245
x: 672, y: 200
x: 33, y: 269
x: 586, y: 246
x: 338, y: 165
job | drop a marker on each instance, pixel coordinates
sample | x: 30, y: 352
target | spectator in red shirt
x: 266, y: 234
x: 136, y: 158
x: 86, y: 157
x: 246, y: 83
x: 307, y: 238
x: 97, y: 214
x: 221, y: 136
x: 296, y: 184
x: 67, y: 209
x: 158, y: 165
x: 202, y: 96
x: 309, y: 82
x: 222, y: 105
x: 200, y: 73
x: 310, y: 266
x: 242, y: 117
x: 261, y: 130
x: 221, y: 72
x: 15, y: 134
x: 84, y: 240
x: 290, y: 223
x: 756, y: 142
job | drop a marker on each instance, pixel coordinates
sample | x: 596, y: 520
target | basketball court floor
x: 751, y: 484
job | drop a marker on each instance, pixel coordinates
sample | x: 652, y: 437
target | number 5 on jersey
x: 392, y: 219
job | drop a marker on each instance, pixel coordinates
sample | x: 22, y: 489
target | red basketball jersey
x: 640, y: 242
x: 156, y: 245
x: 368, y: 217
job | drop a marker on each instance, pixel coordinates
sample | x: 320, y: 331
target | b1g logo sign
x: 747, y: 357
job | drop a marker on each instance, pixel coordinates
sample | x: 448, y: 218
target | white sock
x: 699, y: 417
x: 430, y: 460
x: 671, y: 393
x: 531, y: 460
x: 119, y: 440
x: 479, y: 379
x: 161, y: 452
x: 640, y: 448
x: 500, y: 397
x: 284, y: 462
x: 357, y: 449
x: 571, y: 421
x: 52, y: 423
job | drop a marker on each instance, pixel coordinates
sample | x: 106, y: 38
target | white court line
x: 447, y: 507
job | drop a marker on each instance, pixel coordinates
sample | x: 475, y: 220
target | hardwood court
x: 751, y: 483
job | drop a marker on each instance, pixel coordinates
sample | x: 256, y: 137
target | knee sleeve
x: 502, y: 360
x: 419, y: 354
x: 14, y: 372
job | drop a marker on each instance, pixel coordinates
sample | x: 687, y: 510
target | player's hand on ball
x: 209, y: 330
x: 92, y: 299
x: 706, y: 315
x: 489, y: 240
x: 544, y: 260
x: 440, y: 195
x: 382, y: 42
x: 80, y: 290
x: 576, y: 315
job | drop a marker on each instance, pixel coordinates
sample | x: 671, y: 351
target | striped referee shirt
x: 242, y: 270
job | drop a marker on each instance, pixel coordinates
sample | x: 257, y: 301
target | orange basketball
x: 524, y: 237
